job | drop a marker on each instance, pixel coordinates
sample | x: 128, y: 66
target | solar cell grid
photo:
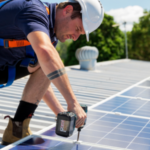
x: 52, y: 144
x: 113, y: 130
x: 145, y: 94
x: 138, y: 92
x: 125, y: 132
x: 134, y: 91
x: 136, y: 146
x: 112, y: 104
x: 142, y: 113
x: 144, y: 135
x: 127, y: 106
x: 136, y: 131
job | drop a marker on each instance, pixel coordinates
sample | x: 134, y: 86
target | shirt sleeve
x: 32, y: 19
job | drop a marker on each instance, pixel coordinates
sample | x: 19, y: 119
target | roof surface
x: 90, y: 87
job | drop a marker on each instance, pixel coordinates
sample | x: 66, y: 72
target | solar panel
x: 134, y: 91
x: 106, y: 129
x: 110, y: 130
x: 54, y: 145
x: 1, y: 146
x: 137, y: 105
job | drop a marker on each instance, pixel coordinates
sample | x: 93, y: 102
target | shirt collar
x: 52, y: 16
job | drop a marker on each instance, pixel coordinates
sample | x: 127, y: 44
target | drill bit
x: 79, y: 129
x: 78, y: 135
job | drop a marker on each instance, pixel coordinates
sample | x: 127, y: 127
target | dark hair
x: 76, y: 9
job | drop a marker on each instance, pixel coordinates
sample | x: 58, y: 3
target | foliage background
x: 139, y: 39
x: 110, y: 42
x: 62, y: 48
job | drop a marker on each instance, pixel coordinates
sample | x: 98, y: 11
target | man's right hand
x: 81, y: 115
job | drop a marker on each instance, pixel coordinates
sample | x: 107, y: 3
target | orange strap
x: 9, y: 43
x: 2, y: 0
x: 48, y: 12
x: 16, y: 43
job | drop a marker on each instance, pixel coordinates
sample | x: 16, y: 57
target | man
x: 28, y: 20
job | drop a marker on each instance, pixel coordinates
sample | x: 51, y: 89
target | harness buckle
x: 6, y: 43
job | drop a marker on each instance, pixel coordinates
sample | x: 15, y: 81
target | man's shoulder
x: 19, y: 5
x: 22, y: 4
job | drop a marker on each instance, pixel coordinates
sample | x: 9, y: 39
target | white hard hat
x: 92, y: 14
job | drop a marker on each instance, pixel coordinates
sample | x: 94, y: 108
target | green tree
x: 109, y: 41
x: 139, y: 38
x: 62, y: 49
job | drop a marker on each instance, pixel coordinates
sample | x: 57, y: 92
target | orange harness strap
x: 9, y: 43
x: 47, y: 9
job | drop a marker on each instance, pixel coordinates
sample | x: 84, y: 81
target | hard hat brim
x: 87, y: 37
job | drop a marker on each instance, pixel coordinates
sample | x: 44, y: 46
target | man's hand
x: 81, y: 115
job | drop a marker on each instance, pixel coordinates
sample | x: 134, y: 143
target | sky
x: 122, y: 10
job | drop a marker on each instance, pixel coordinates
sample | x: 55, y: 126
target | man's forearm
x: 52, y: 102
x: 51, y: 63
x: 54, y: 69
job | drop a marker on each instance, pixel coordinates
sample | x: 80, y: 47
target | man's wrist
x: 72, y: 103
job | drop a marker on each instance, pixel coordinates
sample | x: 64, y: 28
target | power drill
x: 66, y: 123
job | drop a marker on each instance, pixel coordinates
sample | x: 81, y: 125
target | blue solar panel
x: 138, y: 92
x: 127, y: 106
x: 114, y: 130
x: 32, y: 144
x: 134, y: 91
x: 137, y: 146
x: 112, y: 104
x: 145, y: 94
x: 50, y: 132
x: 111, y: 130
x: 142, y: 112
x: 144, y: 135
x: 2, y: 146
x: 113, y: 143
x: 104, y: 129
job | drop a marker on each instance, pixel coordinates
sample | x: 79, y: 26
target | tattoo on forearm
x: 56, y: 74
x: 37, y: 102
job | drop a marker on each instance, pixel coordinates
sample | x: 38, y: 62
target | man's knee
x: 33, y: 68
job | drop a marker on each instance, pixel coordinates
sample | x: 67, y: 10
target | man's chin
x: 62, y: 40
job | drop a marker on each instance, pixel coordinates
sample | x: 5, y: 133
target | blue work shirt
x: 18, y: 18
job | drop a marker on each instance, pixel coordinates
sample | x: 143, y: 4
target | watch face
x: 64, y: 125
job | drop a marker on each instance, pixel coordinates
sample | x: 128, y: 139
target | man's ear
x: 68, y: 10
